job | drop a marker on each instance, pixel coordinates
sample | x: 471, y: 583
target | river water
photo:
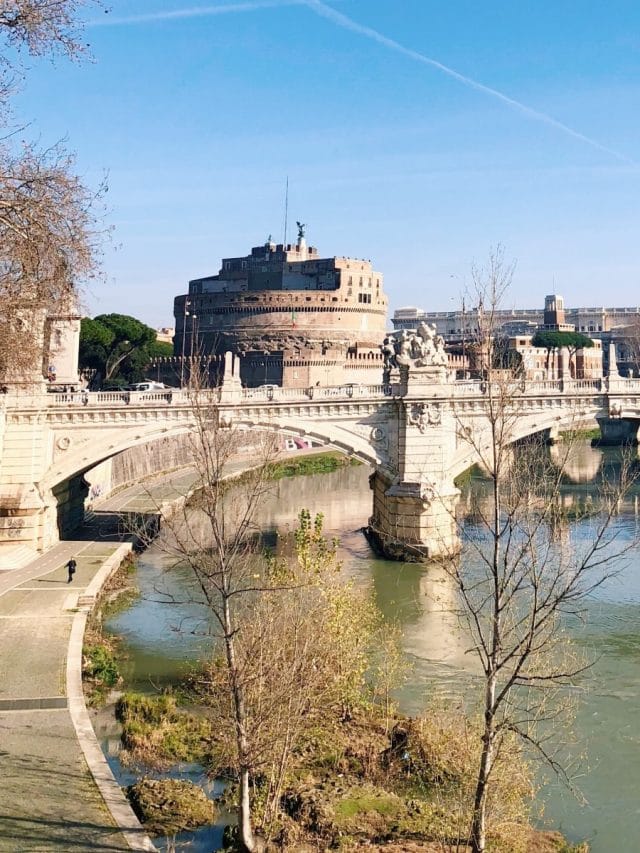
x: 604, y: 744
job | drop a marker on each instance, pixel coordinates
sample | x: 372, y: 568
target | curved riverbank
x: 48, y: 798
x: 56, y: 790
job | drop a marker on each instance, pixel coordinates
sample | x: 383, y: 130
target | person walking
x: 71, y: 568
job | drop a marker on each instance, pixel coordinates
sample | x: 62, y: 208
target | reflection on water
x: 581, y: 461
x: 436, y: 635
x: 420, y: 599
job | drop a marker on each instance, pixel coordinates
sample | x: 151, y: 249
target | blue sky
x: 528, y: 137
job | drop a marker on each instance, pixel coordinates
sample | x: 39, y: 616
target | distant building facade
x: 165, y: 334
x: 539, y: 363
x: 617, y: 326
x: 454, y: 324
x: 466, y: 334
x: 292, y: 317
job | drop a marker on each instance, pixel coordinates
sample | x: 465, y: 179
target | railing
x: 85, y: 398
x: 168, y: 397
x: 315, y: 392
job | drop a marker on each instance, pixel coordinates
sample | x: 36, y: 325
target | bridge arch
x: 91, y: 452
x: 550, y: 421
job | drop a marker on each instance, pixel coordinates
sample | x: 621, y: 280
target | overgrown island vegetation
x: 335, y: 766
x: 332, y: 763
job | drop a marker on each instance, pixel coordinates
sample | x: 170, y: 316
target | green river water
x: 605, y: 745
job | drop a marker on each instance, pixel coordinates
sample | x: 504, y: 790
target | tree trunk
x: 478, y: 823
x: 245, y: 829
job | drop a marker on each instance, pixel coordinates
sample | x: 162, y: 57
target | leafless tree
x: 49, y: 242
x: 44, y: 27
x: 516, y: 580
x: 38, y: 28
x: 289, y: 649
x: 49, y: 231
x: 217, y: 542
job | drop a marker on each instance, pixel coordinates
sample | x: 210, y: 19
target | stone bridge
x: 414, y: 432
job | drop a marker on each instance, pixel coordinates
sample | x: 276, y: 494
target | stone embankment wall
x: 163, y: 455
x: 157, y: 457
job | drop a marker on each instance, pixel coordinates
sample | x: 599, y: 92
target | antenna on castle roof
x: 286, y: 211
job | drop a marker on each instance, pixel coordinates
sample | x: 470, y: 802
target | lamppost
x: 187, y: 304
x: 194, y: 333
x: 464, y: 322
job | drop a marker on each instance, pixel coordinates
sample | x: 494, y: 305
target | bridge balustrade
x: 85, y: 398
x: 313, y: 392
x: 49, y: 437
x: 459, y: 388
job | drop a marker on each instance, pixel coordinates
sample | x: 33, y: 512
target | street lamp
x: 194, y: 333
x: 187, y: 304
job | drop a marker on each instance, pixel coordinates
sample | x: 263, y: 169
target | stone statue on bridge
x: 423, y: 348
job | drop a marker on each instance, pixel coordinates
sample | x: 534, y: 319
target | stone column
x: 613, y: 372
x: 61, y: 348
x: 27, y: 378
x: 231, y: 391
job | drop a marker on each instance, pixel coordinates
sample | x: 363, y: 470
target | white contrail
x: 194, y: 12
x: 346, y: 23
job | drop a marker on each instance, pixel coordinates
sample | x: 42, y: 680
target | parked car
x: 148, y: 385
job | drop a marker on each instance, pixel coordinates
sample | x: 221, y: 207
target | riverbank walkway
x: 49, y: 800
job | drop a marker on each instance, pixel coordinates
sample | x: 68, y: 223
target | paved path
x: 48, y: 798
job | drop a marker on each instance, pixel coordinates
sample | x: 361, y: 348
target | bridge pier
x: 411, y: 522
x: 414, y: 498
x: 27, y: 518
x: 617, y: 431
